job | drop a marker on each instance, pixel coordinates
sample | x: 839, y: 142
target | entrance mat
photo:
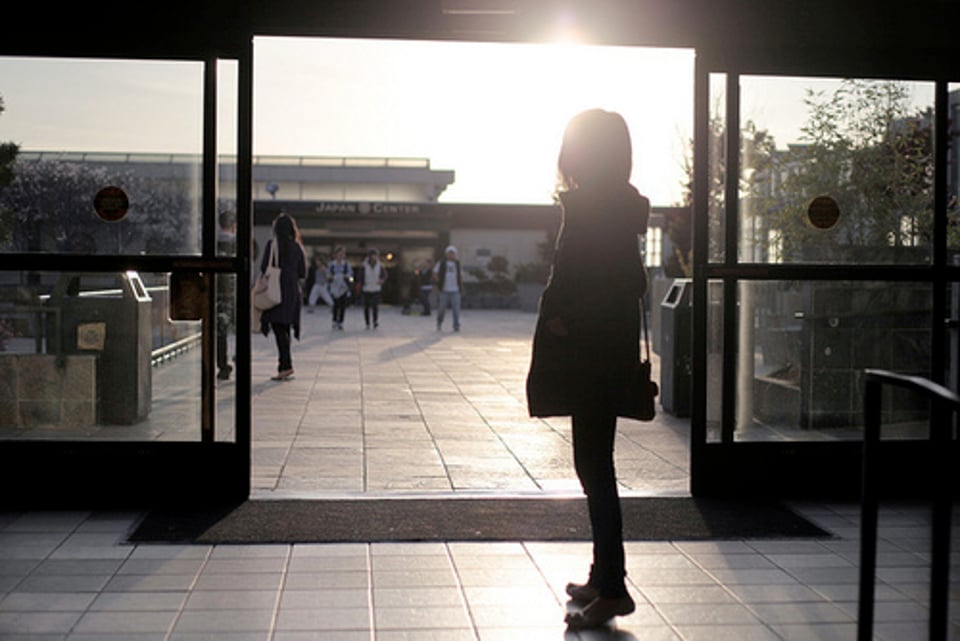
x: 469, y: 519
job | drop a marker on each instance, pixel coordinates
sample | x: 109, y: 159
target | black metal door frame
x: 793, y: 469
x: 121, y: 474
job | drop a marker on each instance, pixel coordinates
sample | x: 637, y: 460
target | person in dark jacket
x: 284, y: 318
x: 586, y: 341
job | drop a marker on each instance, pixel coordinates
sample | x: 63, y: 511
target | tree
x: 679, y: 225
x: 863, y: 147
x: 50, y: 205
x: 8, y: 155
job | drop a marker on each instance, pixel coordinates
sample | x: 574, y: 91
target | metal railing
x: 169, y: 339
x: 945, y: 406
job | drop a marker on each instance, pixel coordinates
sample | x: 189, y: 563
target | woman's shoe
x: 282, y: 375
x: 581, y: 593
x: 599, y: 611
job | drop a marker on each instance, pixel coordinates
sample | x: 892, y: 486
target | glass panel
x: 225, y: 284
x: 714, y: 360
x: 952, y: 328
x: 836, y: 171
x: 109, y: 156
x: 809, y: 342
x: 96, y: 356
x: 717, y: 149
x: 953, y: 175
x: 228, y: 103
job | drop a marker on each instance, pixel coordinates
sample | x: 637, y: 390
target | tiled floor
x: 70, y: 576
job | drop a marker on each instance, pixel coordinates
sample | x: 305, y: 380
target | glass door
x: 820, y: 236
x: 121, y: 227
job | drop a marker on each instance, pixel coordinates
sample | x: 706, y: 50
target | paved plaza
x: 405, y: 410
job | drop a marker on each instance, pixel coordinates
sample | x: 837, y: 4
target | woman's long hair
x: 286, y: 232
x: 596, y: 150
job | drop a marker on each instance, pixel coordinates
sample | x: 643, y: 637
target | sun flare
x: 492, y: 112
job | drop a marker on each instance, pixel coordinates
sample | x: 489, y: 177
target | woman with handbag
x: 586, y: 342
x: 284, y: 317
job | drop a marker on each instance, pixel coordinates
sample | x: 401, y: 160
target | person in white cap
x: 449, y: 279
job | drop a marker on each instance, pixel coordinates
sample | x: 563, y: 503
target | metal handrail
x: 945, y: 404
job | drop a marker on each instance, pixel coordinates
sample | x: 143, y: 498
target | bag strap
x: 273, y: 252
x: 643, y: 324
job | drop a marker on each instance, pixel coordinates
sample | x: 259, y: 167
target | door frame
x: 69, y: 473
x: 795, y: 469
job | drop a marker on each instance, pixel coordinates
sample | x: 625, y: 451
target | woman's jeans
x: 281, y: 332
x: 451, y: 299
x: 593, y: 437
x: 371, y: 307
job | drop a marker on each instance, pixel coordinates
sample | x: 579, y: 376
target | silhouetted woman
x: 284, y: 318
x: 586, y: 342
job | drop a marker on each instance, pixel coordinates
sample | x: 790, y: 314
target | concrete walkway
x: 400, y: 409
x: 407, y: 409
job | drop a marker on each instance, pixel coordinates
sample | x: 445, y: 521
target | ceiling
x: 889, y: 38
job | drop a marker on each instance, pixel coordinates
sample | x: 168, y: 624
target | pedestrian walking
x: 340, y: 280
x: 448, y: 276
x: 425, y: 278
x: 586, y: 342
x: 284, y: 318
x: 316, y: 285
x: 372, y: 274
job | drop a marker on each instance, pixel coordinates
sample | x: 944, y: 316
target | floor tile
x: 46, y: 601
x: 421, y: 618
x: 123, y: 622
x: 325, y: 619
x: 220, y: 620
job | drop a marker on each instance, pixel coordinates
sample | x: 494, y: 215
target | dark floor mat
x: 473, y: 519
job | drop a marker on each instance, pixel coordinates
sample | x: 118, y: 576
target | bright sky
x: 493, y: 113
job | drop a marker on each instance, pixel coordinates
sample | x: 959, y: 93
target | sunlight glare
x: 492, y: 112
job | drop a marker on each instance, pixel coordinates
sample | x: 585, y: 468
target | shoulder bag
x: 266, y: 292
x: 639, y: 400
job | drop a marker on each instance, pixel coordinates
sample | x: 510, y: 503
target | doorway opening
x: 410, y: 147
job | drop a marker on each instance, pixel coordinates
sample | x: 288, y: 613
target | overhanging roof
x: 885, y: 37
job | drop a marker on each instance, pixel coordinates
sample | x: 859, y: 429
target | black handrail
x: 945, y: 404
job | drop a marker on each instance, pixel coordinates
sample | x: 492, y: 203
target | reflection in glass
x: 808, y: 343
x: 717, y: 149
x: 131, y: 126
x: 867, y: 145
x: 96, y: 356
x: 953, y: 172
x: 715, y: 294
x: 228, y: 102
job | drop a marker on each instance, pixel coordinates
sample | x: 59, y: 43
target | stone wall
x: 42, y: 390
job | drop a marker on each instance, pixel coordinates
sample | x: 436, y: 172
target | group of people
x: 586, y: 341
x: 336, y: 282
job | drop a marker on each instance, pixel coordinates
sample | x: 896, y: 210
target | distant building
x: 388, y: 203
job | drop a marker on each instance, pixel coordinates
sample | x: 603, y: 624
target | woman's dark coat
x: 594, y: 289
x: 292, y: 270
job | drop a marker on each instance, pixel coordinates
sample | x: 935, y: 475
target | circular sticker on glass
x: 823, y: 212
x: 111, y: 204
